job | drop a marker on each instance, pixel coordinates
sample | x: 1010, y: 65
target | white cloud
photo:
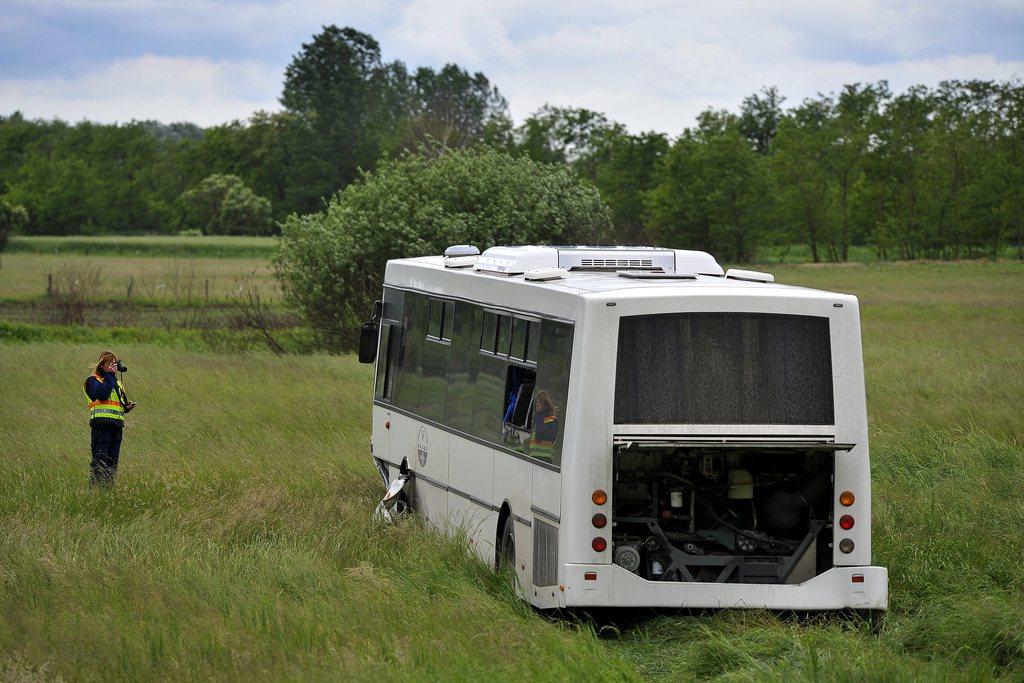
x: 651, y: 64
x: 166, y: 89
x: 469, y: 33
x: 659, y: 68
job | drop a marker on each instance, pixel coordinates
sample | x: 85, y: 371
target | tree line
x: 926, y: 173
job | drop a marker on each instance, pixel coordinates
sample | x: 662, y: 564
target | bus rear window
x: 724, y: 368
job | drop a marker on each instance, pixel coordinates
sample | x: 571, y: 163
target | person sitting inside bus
x: 545, y: 428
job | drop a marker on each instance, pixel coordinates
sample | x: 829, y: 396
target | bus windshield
x: 724, y: 368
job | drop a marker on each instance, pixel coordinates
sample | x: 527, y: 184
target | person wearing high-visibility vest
x: 108, y: 404
x: 545, y: 428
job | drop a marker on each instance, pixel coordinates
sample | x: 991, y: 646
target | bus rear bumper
x: 839, y: 588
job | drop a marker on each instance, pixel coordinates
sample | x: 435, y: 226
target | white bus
x: 630, y: 426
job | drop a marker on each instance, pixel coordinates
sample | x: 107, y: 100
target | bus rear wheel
x: 507, y: 555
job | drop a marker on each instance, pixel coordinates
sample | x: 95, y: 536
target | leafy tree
x: 223, y: 205
x: 18, y: 138
x: 349, y: 105
x: 1009, y: 139
x: 452, y: 109
x: 261, y: 151
x: 712, y: 192
x: 802, y: 147
x: 899, y: 165
x: 759, y: 118
x: 624, y: 170
x: 853, y: 118
x: 332, y: 263
x: 563, y: 135
x: 59, y: 194
x: 13, y: 218
x: 89, y: 178
x: 620, y: 165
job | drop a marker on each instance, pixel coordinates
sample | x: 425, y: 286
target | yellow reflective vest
x: 110, y: 409
x: 542, y: 444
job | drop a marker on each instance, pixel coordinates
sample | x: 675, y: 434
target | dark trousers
x: 106, y: 449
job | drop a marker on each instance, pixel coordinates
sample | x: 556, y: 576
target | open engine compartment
x: 733, y: 515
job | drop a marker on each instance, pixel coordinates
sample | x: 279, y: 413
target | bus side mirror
x: 368, y: 342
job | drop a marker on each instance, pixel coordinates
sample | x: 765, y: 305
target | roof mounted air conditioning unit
x: 518, y: 260
x: 460, y: 256
x: 616, y: 258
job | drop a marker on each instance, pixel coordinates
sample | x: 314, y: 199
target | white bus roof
x: 578, y: 271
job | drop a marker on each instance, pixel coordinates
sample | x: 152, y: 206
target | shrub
x: 331, y: 264
x: 13, y: 218
x: 223, y: 205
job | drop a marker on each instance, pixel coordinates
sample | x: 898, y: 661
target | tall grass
x: 146, y: 280
x: 237, y: 543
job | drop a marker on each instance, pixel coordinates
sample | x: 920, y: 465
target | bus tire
x: 876, y: 621
x: 507, y: 556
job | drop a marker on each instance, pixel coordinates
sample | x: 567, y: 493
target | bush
x: 13, y: 218
x: 331, y: 264
x: 223, y: 205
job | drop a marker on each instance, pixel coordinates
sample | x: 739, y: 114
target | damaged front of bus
x: 734, y: 470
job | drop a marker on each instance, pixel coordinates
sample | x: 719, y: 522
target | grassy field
x: 149, y: 246
x: 145, y: 279
x: 238, y: 544
x: 801, y: 253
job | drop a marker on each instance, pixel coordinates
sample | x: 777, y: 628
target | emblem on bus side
x: 421, y: 446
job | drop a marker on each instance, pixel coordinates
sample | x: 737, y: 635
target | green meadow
x: 162, y: 246
x: 238, y: 542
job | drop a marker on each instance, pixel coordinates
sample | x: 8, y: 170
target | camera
x: 121, y: 367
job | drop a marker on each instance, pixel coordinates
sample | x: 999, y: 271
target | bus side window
x: 387, y: 357
x: 440, y: 320
x: 448, y: 324
x: 434, y: 318
x: 489, y: 331
x: 519, y: 330
x: 554, y: 356
x: 504, y: 335
x: 532, y: 341
x: 518, y: 408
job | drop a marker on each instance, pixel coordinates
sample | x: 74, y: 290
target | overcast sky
x: 650, y: 64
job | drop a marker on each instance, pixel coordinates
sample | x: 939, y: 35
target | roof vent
x: 617, y: 258
x: 653, y: 275
x: 541, y: 274
x: 460, y: 256
x: 749, y: 275
x: 516, y: 260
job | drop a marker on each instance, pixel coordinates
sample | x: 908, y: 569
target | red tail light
x: 846, y: 522
x: 599, y: 544
x: 599, y: 520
